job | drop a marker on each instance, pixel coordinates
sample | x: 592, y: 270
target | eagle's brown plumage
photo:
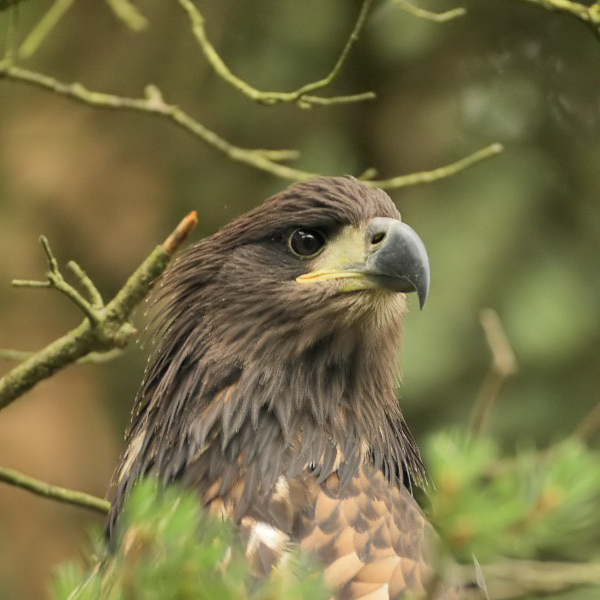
x: 271, y: 388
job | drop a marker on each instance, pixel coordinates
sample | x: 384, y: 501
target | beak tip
x: 423, y: 291
x: 423, y: 276
x: 402, y: 259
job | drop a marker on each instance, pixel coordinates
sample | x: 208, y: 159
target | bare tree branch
x: 504, y: 366
x: 511, y: 579
x: 54, y: 492
x: 154, y: 104
x: 300, y: 96
x: 439, y: 173
x: 58, y: 282
x: 44, y: 27
x: 10, y: 354
x: 128, y: 14
x: 429, y: 15
x: 590, y: 15
x: 105, y: 327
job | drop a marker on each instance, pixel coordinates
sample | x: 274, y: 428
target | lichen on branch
x: 105, y: 327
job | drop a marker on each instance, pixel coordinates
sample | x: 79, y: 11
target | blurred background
x: 519, y: 233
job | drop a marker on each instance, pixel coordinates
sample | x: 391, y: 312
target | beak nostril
x: 378, y: 237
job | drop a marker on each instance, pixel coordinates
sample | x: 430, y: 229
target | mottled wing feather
x: 371, y: 536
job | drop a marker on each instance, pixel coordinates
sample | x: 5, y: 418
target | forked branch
x: 504, y: 366
x: 105, y: 327
x: 265, y: 160
x: 302, y: 96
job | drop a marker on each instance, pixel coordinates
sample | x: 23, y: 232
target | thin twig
x: 109, y: 327
x: 14, y: 355
x: 504, y: 366
x: 58, y: 282
x: 41, y: 488
x: 181, y: 232
x: 154, y: 104
x: 128, y: 14
x: 429, y: 15
x: 95, y: 358
x: 590, y: 15
x: 301, y: 96
x: 509, y: 579
x: 439, y: 173
x: 43, y: 27
x: 87, y: 284
x: 10, y: 48
x: 170, y: 245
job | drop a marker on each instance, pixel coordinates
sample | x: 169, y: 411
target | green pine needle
x: 170, y: 549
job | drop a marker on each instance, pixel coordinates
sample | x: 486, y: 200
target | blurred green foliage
x: 168, y: 548
x: 4, y: 4
x: 511, y: 513
x: 535, y: 504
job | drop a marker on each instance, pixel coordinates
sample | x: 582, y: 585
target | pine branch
x: 168, y: 546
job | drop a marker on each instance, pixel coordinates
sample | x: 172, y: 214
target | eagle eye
x: 306, y: 243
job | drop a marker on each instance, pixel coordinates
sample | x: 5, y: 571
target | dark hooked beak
x: 397, y: 257
x: 387, y: 254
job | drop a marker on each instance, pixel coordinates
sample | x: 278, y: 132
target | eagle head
x: 275, y: 353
